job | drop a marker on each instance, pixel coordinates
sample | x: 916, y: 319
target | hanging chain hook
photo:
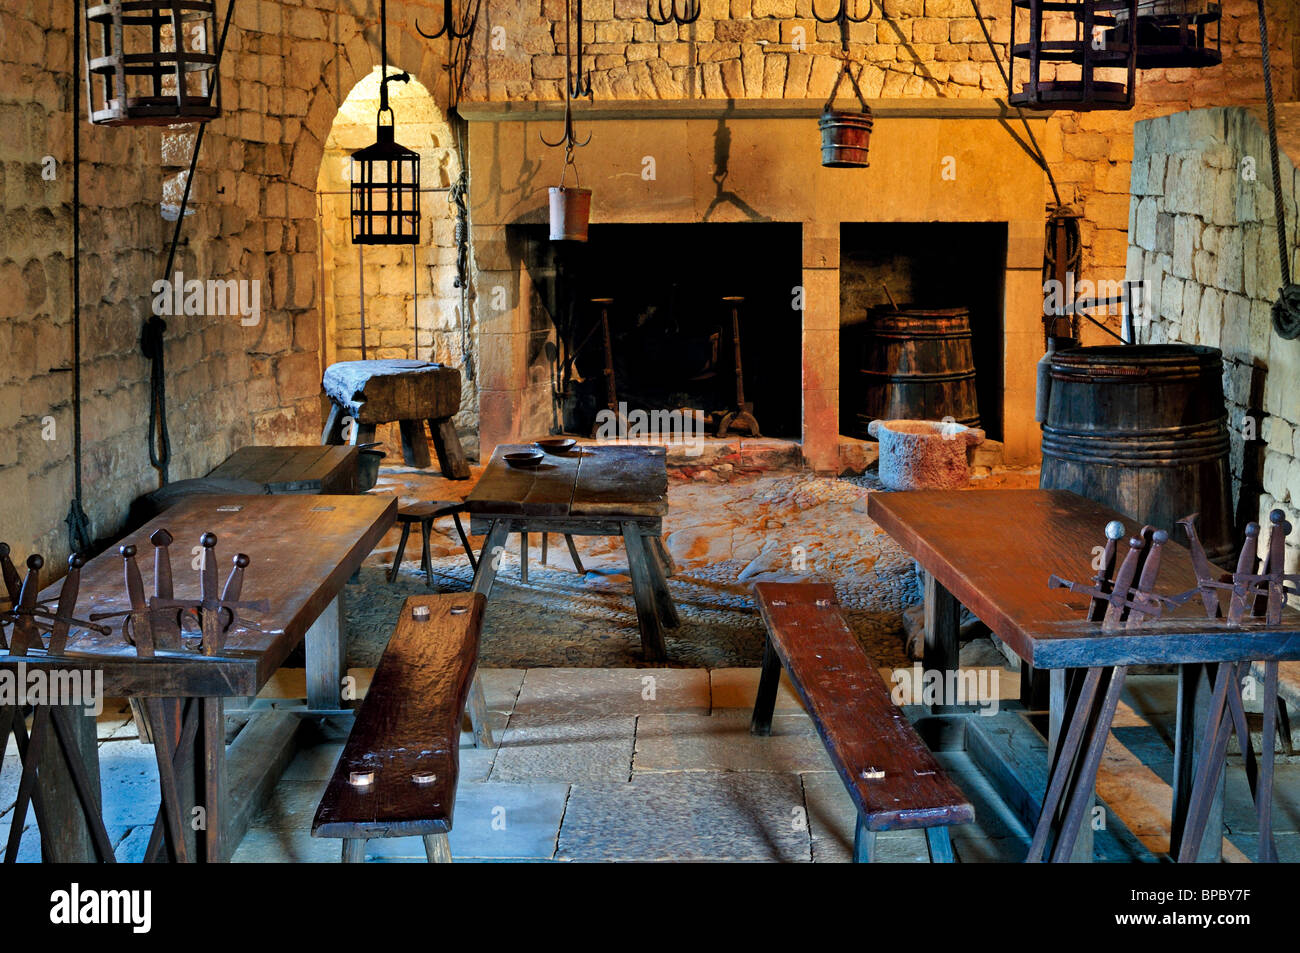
x: 448, y: 24
x: 690, y: 12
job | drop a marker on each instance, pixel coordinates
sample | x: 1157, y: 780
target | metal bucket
x: 570, y: 210
x: 845, y: 136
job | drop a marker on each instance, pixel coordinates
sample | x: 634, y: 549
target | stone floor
x: 604, y: 758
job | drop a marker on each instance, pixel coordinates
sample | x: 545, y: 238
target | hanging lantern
x: 1173, y: 34
x: 385, y: 191
x: 1074, y: 57
x: 385, y: 176
x: 151, y: 62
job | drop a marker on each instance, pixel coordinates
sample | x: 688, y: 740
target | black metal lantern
x: 385, y: 176
x: 152, y: 62
x: 1174, y: 34
x: 1076, y: 59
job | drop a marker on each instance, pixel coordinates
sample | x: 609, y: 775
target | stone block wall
x: 290, y: 64
x: 1203, y: 235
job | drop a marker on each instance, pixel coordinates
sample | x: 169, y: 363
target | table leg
x: 415, y: 446
x: 446, y: 444
x: 769, y: 680
x: 523, y: 557
x: 942, y: 648
x: 1204, y: 818
x: 659, y: 578
x: 1065, y: 688
x: 67, y: 761
x: 665, y: 557
x: 573, y: 553
x: 647, y: 612
x: 489, y: 558
x: 1082, y: 797
x: 437, y: 850
x: 1195, y: 693
x: 213, y: 772
x: 1267, y: 852
x: 326, y: 646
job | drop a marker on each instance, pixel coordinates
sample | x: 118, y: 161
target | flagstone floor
x: 603, y: 758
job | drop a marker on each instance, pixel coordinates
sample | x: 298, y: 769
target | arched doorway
x: 402, y: 297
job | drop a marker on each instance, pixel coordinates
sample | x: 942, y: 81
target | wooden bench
x: 892, y: 777
x: 407, y: 733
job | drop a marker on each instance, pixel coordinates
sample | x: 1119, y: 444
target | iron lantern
x: 1075, y: 57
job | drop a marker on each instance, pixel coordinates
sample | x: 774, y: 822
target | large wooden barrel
x: 917, y: 365
x: 1143, y: 429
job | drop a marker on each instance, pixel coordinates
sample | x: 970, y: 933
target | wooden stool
x: 409, y: 392
x: 425, y: 513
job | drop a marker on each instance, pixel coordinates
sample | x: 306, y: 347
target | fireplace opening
x: 937, y: 274
x: 662, y: 290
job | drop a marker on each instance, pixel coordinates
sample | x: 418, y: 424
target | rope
x: 78, y: 523
x: 1286, y: 310
x: 154, y: 349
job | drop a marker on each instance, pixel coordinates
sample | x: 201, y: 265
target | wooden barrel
x: 917, y: 365
x: 1143, y: 429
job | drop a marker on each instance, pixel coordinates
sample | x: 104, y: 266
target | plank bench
x: 892, y: 777
x: 404, y: 745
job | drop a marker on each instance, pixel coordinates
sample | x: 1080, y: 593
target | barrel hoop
x: 1178, y: 446
x: 937, y: 334
x: 1091, y: 373
x: 936, y: 378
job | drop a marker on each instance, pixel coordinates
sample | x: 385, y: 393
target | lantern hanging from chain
x: 1172, y: 34
x: 385, y: 176
x: 152, y: 62
x: 1074, y: 58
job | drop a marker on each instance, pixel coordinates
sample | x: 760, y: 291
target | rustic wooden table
x: 311, y: 469
x: 592, y: 491
x: 993, y: 551
x: 302, y: 549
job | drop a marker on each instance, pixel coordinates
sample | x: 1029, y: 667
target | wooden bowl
x: 524, y: 459
x: 556, y: 445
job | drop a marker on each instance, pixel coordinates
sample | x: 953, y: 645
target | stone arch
x: 340, y: 119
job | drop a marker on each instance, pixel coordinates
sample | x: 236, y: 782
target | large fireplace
x: 738, y: 204
x: 667, y: 293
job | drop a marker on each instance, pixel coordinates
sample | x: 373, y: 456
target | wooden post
x: 1195, y: 689
x: 66, y: 836
x: 942, y: 648
x: 1056, y: 710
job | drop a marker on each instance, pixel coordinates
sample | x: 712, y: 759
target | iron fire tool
x: 742, y: 418
x: 28, y: 618
x: 1125, y: 598
x: 1253, y: 593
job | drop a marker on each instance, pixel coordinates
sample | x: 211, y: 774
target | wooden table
x: 302, y: 549
x: 993, y: 550
x: 599, y: 490
x: 311, y: 469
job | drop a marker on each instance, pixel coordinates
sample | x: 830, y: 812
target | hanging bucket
x: 845, y: 135
x: 570, y: 211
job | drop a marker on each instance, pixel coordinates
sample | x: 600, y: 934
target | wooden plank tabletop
x: 306, y: 469
x: 592, y: 482
x: 302, y: 549
x: 995, y: 549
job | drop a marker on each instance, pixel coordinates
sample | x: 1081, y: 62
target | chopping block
x: 408, y: 392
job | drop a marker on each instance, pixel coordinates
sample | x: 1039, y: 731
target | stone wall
x: 290, y: 64
x: 1204, y: 238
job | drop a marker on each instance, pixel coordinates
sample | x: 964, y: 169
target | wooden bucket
x: 1142, y: 428
x: 570, y: 211
x: 845, y: 137
x: 917, y: 365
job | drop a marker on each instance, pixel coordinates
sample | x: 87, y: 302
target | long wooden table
x: 302, y: 550
x: 595, y: 490
x: 993, y: 551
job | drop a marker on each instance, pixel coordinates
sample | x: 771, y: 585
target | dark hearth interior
x: 670, y: 329
x: 924, y: 265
